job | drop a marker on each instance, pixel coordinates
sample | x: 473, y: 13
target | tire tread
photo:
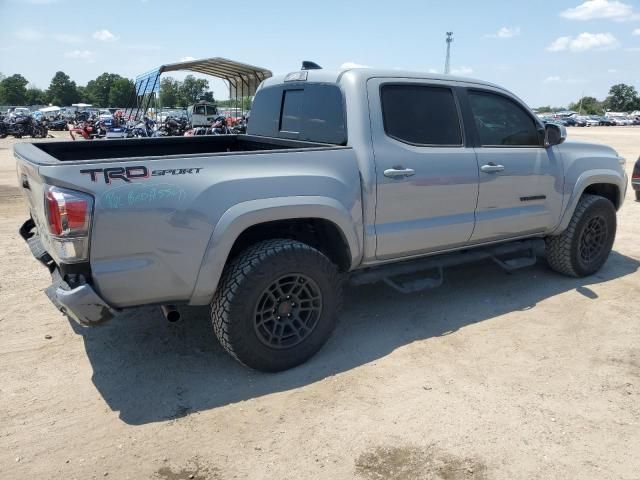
x: 558, y: 248
x: 234, y: 280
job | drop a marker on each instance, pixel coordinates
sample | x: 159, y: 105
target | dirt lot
x: 494, y: 376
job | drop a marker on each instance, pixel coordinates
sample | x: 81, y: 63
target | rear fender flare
x: 247, y: 214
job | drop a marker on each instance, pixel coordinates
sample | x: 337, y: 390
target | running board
x: 389, y: 273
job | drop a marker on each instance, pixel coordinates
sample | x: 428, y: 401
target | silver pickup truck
x: 362, y: 175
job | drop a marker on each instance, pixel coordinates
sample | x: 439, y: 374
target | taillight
x: 636, y: 170
x: 69, y: 220
x: 68, y: 212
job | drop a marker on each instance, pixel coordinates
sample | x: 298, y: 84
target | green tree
x: 121, y: 92
x: 36, y: 96
x: 98, y: 91
x: 13, y: 90
x: 622, y: 98
x: 543, y: 109
x: 62, y: 90
x: 588, y: 106
x: 169, y: 92
x: 208, y: 96
x: 192, y: 90
x: 82, y: 94
x: 245, y: 103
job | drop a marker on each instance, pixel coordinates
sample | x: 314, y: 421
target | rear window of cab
x: 301, y: 111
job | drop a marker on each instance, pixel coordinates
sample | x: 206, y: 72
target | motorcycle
x: 24, y: 125
x: 218, y: 127
x: 240, y: 127
x: 89, y: 129
x: 144, y: 129
x: 3, y: 127
x: 173, y: 126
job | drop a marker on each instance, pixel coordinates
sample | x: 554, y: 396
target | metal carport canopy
x: 243, y: 79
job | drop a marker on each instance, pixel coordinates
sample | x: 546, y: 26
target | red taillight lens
x: 68, y: 212
x: 53, y: 215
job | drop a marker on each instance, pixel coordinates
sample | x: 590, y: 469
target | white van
x: 202, y: 114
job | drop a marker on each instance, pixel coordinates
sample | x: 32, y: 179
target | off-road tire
x: 563, y: 251
x: 243, y: 283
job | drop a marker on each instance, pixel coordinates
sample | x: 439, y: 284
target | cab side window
x: 421, y: 115
x: 502, y: 122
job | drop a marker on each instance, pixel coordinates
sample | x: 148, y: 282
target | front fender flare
x: 247, y: 214
x: 591, y: 177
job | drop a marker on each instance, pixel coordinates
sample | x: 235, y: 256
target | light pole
x: 447, y: 62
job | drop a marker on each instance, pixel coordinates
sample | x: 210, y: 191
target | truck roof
x: 365, y: 73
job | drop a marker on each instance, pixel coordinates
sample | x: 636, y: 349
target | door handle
x: 491, y: 168
x: 399, y: 172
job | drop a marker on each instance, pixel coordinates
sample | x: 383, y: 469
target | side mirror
x: 554, y: 134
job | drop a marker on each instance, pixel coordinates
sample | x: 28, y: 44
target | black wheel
x: 638, y: 195
x: 276, y: 304
x: 585, y: 245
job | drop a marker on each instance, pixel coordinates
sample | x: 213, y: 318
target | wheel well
x: 316, y: 232
x: 606, y: 190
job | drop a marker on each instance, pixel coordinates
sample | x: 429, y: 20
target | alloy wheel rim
x: 287, y: 311
x: 593, y: 239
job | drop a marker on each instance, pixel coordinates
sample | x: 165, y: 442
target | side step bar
x: 527, y: 249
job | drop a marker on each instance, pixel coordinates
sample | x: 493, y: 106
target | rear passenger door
x: 427, y: 177
x: 521, y: 181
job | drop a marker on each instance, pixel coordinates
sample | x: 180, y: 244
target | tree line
x: 107, y: 90
x: 621, y: 98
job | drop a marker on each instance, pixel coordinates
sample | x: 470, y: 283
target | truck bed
x: 48, y: 153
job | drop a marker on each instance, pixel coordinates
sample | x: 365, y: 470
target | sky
x: 548, y: 53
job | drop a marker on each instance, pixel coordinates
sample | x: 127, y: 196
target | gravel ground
x: 494, y: 376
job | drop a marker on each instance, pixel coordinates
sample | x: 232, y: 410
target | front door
x: 427, y: 179
x: 521, y: 181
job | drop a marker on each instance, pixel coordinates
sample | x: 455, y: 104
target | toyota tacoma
x: 361, y: 175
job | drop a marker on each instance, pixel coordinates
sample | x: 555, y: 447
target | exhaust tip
x: 170, y: 313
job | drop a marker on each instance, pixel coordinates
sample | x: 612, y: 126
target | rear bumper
x: 78, y: 301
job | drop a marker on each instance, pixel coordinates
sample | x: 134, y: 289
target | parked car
x: 605, y: 121
x: 167, y: 113
x: 105, y: 114
x: 635, y: 179
x: 584, y: 121
x: 58, y: 124
x: 357, y: 181
x: 557, y: 121
x: 580, y: 121
x: 619, y: 121
x: 202, y: 114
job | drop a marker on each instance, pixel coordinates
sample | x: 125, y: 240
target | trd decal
x: 176, y: 171
x: 137, y: 172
